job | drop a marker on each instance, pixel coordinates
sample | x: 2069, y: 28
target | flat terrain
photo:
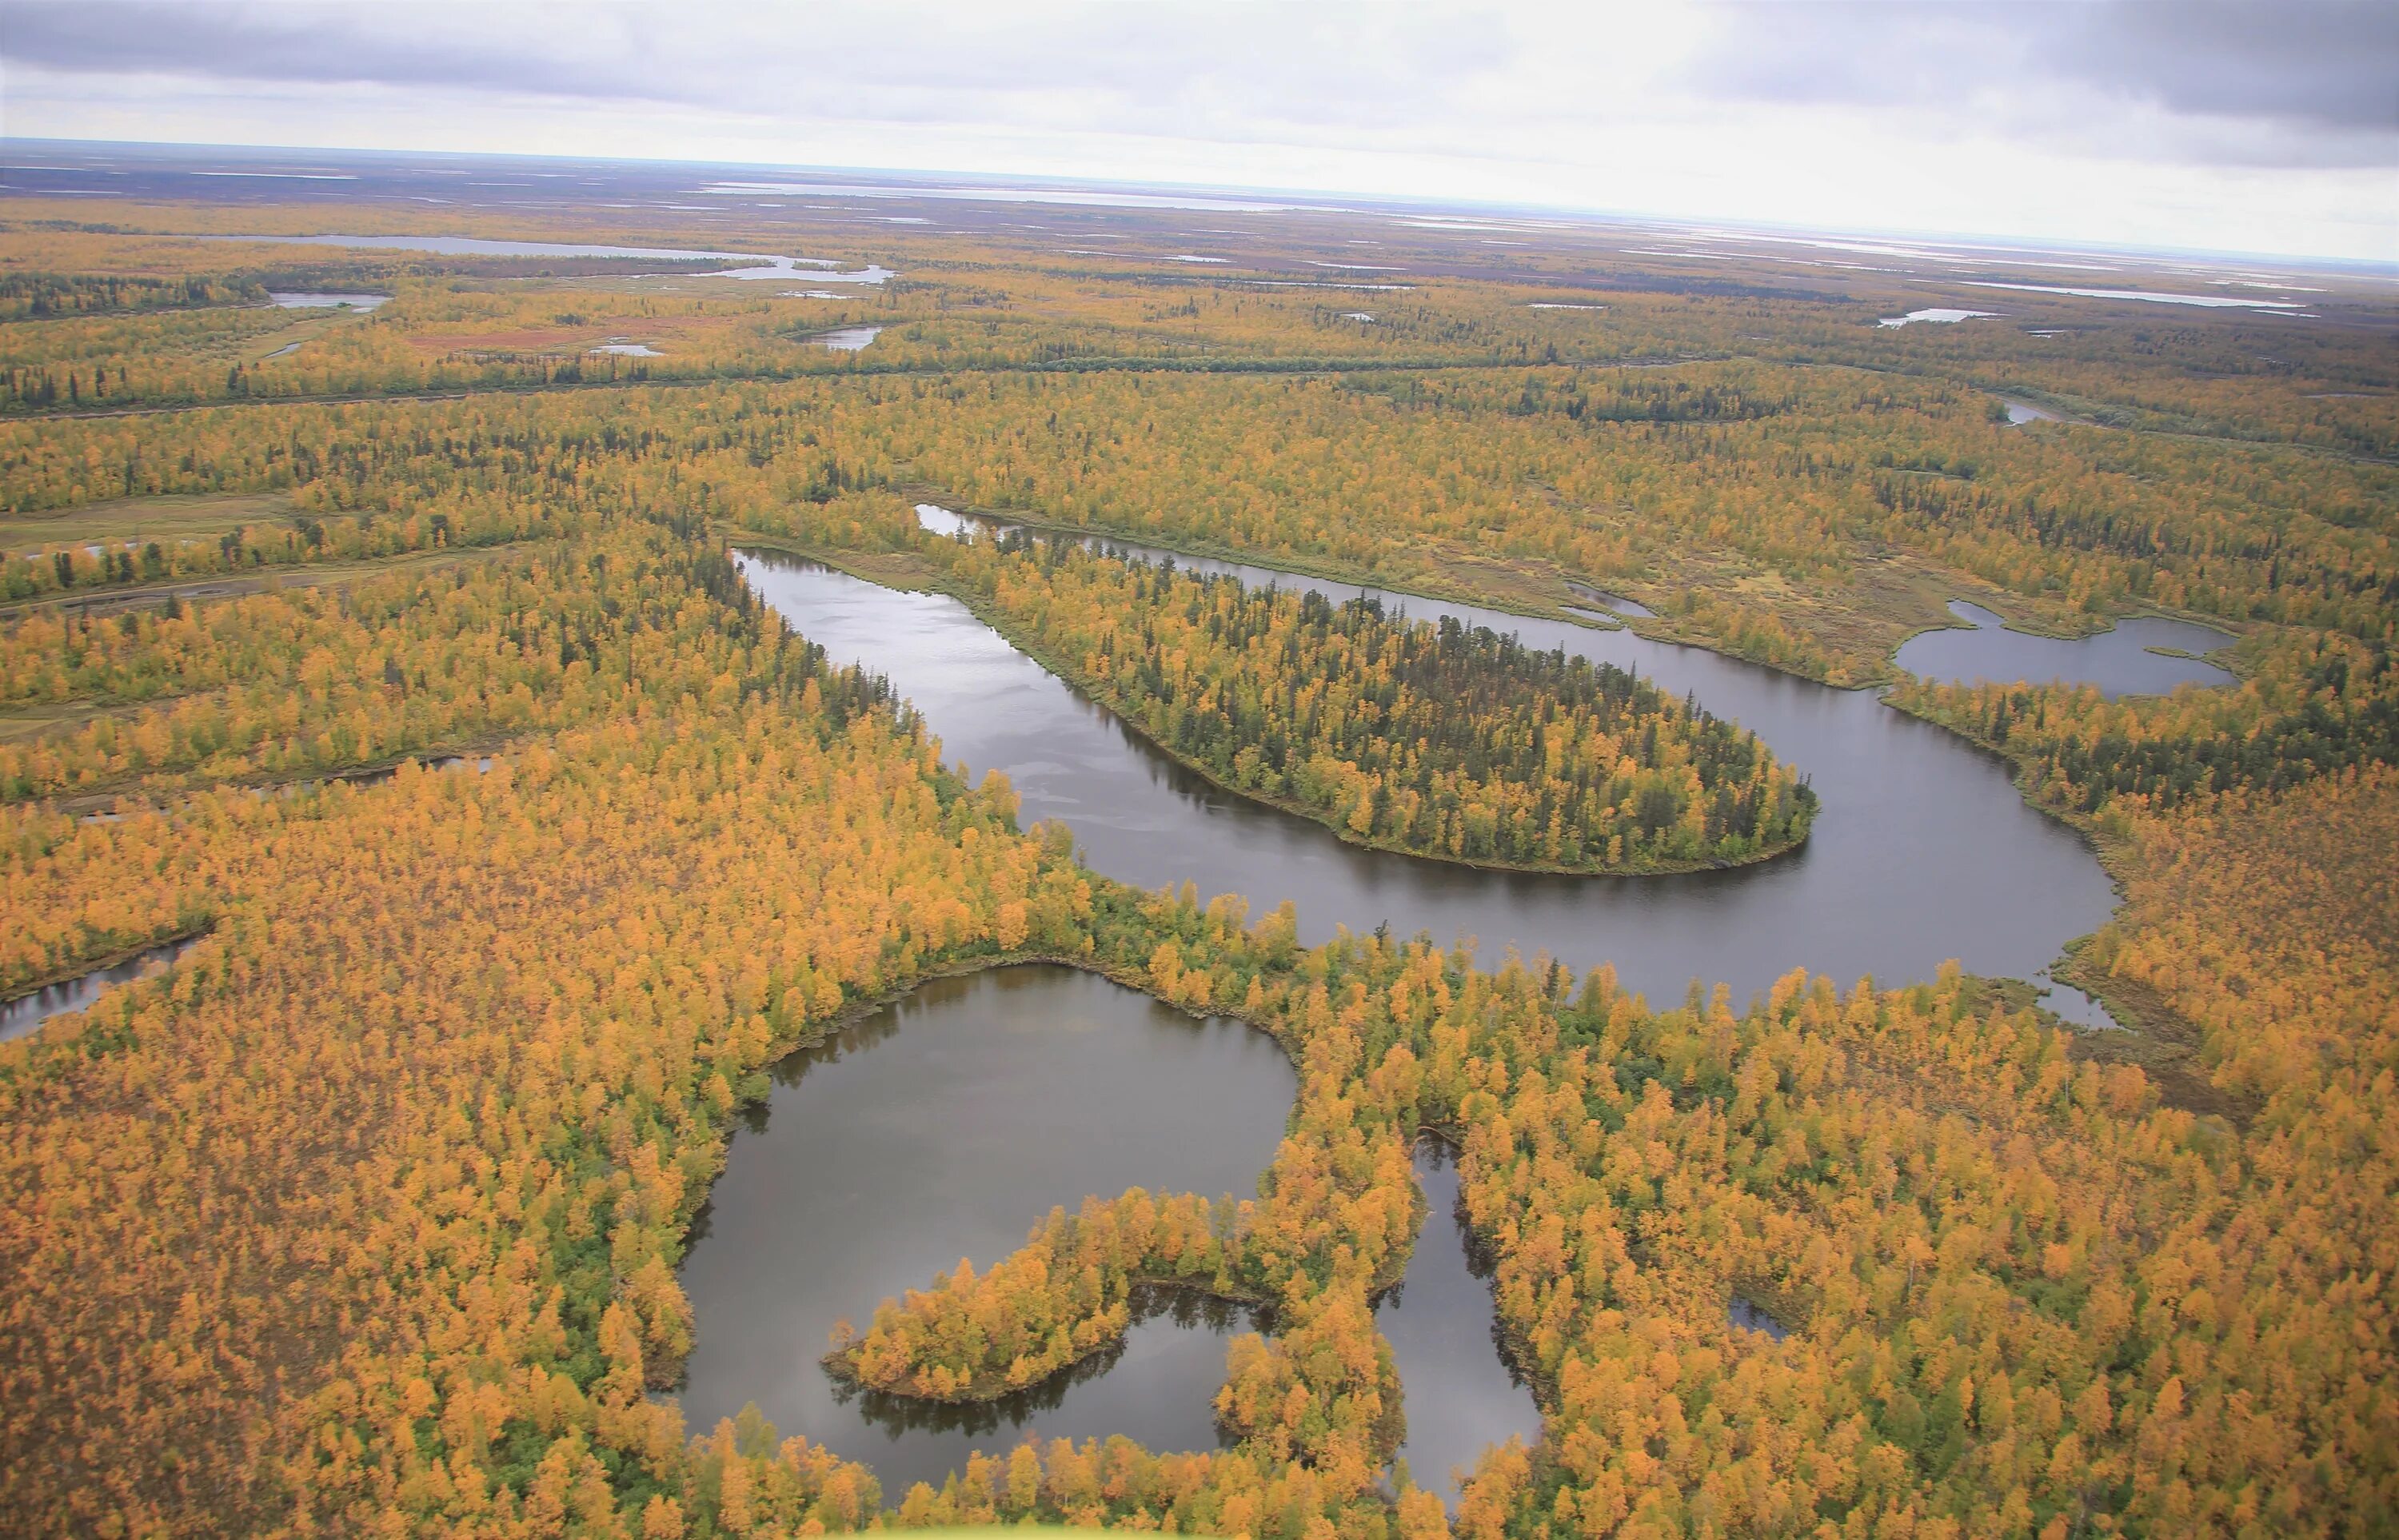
x: 137, y: 518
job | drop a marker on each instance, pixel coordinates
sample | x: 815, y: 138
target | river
x: 1922, y: 850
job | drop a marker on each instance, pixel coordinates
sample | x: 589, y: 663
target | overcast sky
x: 2192, y: 123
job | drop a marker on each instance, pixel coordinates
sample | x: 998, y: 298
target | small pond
x: 2123, y: 661
x: 848, y: 339
x: 1616, y: 603
x: 1454, y: 1386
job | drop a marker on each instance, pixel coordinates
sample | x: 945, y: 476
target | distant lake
x: 754, y: 264
x: 326, y: 302
x: 1939, y: 314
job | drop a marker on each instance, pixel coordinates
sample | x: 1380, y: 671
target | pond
x: 1454, y: 1386
x: 847, y: 339
x: 2124, y: 661
x: 1614, y: 603
x: 26, y: 1012
x: 948, y: 1125
x: 1923, y: 849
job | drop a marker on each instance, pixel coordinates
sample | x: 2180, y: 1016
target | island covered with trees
x: 1433, y: 739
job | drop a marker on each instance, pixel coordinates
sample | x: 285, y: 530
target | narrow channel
x: 28, y: 1011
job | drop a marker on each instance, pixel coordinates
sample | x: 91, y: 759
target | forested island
x: 1436, y: 739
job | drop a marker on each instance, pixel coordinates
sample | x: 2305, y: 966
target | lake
x: 2122, y: 661
x: 945, y: 1126
x: 755, y: 265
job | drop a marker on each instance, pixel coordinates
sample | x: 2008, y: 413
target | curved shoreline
x: 1076, y: 680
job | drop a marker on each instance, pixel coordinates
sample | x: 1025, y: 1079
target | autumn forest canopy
x: 395, y: 661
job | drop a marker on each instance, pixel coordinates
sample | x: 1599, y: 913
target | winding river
x: 1923, y: 849
x: 948, y: 1124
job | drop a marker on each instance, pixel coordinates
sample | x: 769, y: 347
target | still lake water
x: 1922, y: 850
x: 753, y: 264
x: 947, y: 1126
x: 2120, y: 661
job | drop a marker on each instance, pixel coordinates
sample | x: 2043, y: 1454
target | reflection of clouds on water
x: 27, y: 1012
x: 947, y: 1125
x: 2120, y: 661
x: 1857, y: 898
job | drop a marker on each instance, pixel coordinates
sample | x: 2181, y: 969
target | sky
x: 2196, y: 124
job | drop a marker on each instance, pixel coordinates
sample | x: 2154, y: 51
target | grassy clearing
x: 24, y: 724
x: 160, y: 519
x: 203, y: 590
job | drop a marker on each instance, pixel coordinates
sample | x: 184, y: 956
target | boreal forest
x: 491, y: 745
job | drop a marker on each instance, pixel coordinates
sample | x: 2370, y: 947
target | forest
x: 1439, y: 740
x: 365, y: 1216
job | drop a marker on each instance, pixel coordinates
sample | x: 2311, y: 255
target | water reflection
x: 1923, y: 849
x: 947, y: 1125
x: 2123, y: 661
x: 1750, y: 1317
x: 26, y: 1012
x: 1457, y: 1386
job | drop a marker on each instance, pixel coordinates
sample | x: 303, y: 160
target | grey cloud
x: 1114, y: 67
x: 2307, y: 81
x: 2328, y: 63
x: 294, y: 43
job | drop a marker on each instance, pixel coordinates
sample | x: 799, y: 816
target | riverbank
x: 909, y: 573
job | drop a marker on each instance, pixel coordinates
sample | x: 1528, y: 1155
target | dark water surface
x: 24, y: 1013
x: 1009, y: 1092
x: 1922, y: 850
x: 2119, y: 661
x: 947, y: 1126
x: 1443, y: 1326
